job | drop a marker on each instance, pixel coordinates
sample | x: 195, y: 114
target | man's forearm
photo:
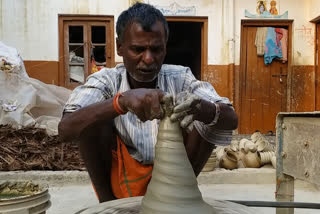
x: 72, y: 124
x: 228, y: 119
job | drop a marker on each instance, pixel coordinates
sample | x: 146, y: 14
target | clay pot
x: 242, y: 143
x: 252, y: 160
x: 211, y: 163
x: 208, y: 167
x: 274, y: 161
x: 250, y: 146
x: 241, y: 154
x: 256, y: 136
x: 234, y: 146
x: 219, y: 151
x: 229, y: 161
x: 266, y: 157
x: 264, y: 146
x: 211, y: 159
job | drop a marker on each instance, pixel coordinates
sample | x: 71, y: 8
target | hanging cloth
x: 272, y: 50
x: 260, y: 41
x: 284, y: 43
x: 279, y: 35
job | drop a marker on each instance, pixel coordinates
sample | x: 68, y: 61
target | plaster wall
x: 314, y: 6
x: 32, y: 25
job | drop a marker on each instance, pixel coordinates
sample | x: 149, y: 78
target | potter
x: 115, y: 115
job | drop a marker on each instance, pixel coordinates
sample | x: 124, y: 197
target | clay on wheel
x: 173, y: 187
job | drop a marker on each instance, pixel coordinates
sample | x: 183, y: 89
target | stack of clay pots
x: 211, y: 163
x: 246, y: 153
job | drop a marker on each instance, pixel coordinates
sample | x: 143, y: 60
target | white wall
x: 32, y: 25
x: 34, y: 28
x: 213, y: 9
x: 303, y: 30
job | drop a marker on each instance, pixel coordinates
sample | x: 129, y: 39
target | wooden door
x: 263, y: 88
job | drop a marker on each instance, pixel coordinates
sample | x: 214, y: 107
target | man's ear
x: 119, y: 47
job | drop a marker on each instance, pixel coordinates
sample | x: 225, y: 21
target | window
x: 85, y: 42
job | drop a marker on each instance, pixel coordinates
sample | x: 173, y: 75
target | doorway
x: 187, y: 43
x: 184, y: 46
x: 264, y: 89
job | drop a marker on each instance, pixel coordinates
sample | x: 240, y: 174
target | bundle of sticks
x: 32, y: 149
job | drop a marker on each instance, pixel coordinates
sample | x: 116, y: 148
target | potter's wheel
x: 132, y: 206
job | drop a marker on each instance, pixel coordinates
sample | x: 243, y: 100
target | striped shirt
x: 140, y: 137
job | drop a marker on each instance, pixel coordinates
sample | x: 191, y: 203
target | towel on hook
x: 272, y: 50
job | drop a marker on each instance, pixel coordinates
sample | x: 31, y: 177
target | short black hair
x: 144, y: 14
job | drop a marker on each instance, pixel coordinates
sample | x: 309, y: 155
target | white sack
x: 12, y: 56
x: 26, y: 101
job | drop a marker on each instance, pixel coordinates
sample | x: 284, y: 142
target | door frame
x: 204, y: 36
x: 316, y: 21
x: 240, y: 76
x: 62, y: 18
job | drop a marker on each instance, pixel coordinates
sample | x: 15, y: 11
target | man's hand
x: 186, y: 106
x: 145, y: 103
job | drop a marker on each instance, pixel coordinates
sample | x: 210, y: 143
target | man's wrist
x: 205, y: 112
x: 216, y: 115
x: 122, y: 102
x: 118, y: 104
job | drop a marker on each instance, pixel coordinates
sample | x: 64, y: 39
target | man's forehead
x: 135, y: 34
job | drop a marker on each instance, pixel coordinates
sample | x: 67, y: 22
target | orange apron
x: 129, y: 177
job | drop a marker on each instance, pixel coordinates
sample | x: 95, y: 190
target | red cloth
x: 279, y: 35
x: 282, y: 35
x: 129, y: 177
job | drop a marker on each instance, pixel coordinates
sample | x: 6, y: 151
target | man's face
x: 143, y: 52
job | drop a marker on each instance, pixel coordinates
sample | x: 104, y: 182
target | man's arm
x: 198, y: 148
x: 190, y: 107
x: 72, y: 124
x: 228, y: 119
x: 145, y: 103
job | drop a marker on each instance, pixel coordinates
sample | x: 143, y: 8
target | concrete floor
x: 71, y: 191
x: 72, y: 198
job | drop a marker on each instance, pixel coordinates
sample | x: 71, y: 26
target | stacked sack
x: 246, y: 153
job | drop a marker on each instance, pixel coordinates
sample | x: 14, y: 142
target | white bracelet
x: 216, y: 116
